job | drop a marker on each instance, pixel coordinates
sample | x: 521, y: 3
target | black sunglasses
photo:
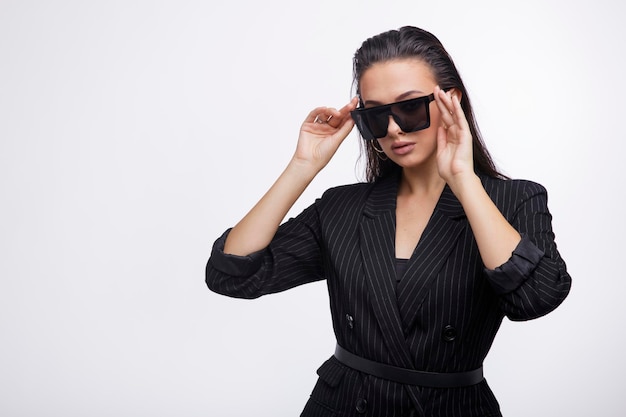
x: 410, y: 115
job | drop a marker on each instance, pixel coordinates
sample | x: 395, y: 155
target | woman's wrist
x: 302, y: 169
x: 465, y: 185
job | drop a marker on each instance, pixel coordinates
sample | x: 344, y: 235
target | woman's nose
x: 393, y: 128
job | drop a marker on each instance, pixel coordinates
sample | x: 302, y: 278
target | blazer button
x: 361, y: 405
x: 350, y: 321
x: 449, y: 333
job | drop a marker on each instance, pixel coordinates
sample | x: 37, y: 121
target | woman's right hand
x: 316, y: 145
x: 322, y: 132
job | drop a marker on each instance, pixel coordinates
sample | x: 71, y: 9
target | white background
x: 133, y: 133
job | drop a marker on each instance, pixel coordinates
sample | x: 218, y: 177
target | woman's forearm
x: 255, y: 231
x: 495, y: 237
x: 322, y: 132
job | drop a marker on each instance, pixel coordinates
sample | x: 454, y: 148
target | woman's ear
x: 455, y: 92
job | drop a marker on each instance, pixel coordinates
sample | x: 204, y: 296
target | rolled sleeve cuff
x: 510, y: 275
x: 234, y: 265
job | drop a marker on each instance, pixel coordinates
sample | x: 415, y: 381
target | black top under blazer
x: 442, y: 316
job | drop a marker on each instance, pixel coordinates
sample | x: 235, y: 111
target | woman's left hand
x: 454, y: 139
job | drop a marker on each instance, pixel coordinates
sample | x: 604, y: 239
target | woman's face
x: 392, y: 81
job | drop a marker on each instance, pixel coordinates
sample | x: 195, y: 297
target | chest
x: 412, y: 216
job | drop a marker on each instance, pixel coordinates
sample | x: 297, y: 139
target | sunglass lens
x: 361, y: 124
x: 412, y: 115
x: 377, y: 122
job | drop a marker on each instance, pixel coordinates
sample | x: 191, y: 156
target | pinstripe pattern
x: 347, y: 237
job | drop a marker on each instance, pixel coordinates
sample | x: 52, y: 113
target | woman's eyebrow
x: 399, y: 98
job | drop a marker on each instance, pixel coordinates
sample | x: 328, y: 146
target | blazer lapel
x: 377, y: 236
x: 435, y: 245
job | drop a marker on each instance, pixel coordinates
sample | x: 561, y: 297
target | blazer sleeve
x: 534, y: 281
x: 292, y: 258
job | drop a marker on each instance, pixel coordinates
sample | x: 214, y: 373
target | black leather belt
x: 409, y: 376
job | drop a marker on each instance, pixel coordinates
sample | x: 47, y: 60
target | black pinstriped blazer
x: 442, y: 316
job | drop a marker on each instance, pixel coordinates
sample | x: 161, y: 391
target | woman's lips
x: 402, y: 148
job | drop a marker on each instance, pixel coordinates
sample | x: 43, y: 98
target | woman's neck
x: 420, y: 183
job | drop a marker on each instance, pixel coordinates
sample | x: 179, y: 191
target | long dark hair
x: 412, y: 42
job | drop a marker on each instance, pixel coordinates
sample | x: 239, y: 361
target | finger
x: 331, y: 117
x: 338, y: 117
x: 442, y: 139
x: 316, y: 114
x: 451, y: 112
x: 345, y: 128
x: 459, y: 114
x: 325, y: 117
x: 445, y: 106
x: 350, y: 106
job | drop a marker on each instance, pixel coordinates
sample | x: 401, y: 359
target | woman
x: 422, y: 262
